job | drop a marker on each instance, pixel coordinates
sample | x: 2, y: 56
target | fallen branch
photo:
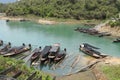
x: 84, y: 68
x: 75, y: 61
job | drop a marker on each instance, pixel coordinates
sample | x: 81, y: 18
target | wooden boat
x: 5, y: 48
x: 92, y: 31
x: 61, y: 55
x: 36, y: 54
x: 91, y: 52
x: 7, y: 20
x: 45, y: 53
x: 116, y: 40
x: 23, y: 20
x: 104, y: 34
x: 54, y: 51
x: 90, y: 46
x: 17, y: 50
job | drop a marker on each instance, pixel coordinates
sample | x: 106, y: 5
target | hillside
x: 75, y: 9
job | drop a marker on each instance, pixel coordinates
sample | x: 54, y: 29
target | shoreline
x: 95, y: 70
x: 51, y: 21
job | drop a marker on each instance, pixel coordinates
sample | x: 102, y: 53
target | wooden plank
x: 4, y: 72
x: 84, y: 68
x: 54, y: 78
x: 31, y: 76
x: 17, y: 74
x: 40, y: 78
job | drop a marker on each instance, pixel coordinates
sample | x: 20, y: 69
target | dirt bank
x: 50, y: 20
x: 42, y: 21
x: 10, y: 18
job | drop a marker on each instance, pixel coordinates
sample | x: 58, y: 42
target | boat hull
x: 92, y: 53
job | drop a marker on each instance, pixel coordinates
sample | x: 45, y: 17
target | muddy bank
x: 94, y: 73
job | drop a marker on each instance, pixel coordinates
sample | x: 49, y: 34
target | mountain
x: 74, y: 9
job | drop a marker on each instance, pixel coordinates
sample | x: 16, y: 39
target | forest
x: 73, y: 9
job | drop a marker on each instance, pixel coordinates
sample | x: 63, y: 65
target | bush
x: 112, y: 72
x: 8, y: 62
x: 114, y: 23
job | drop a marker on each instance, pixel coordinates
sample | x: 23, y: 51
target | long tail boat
x: 45, y: 53
x: 116, y: 40
x: 90, y: 46
x: 90, y: 31
x: 5, y: 48
x: 104, y: 34
x: 17, y: 50
x: 54, y: 51
x: 91, y: 52
x: 36, y: 54
x: 61, y: 55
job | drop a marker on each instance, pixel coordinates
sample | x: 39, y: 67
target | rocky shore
x: 114, y: 31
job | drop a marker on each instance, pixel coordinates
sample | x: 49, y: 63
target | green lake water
x: 41, y: 35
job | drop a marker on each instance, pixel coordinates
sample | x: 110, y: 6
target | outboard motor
x: 82, y: 46
x: 9, y: 43
x: 23, y: 44
x: 1, y: 42
x: 65, y: 49
x: 40, y: 47
x: 29, y: 46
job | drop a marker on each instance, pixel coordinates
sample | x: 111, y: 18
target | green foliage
x: 112, y: 72
x: 3, y: 7
x: 76, y: 9
x: 114, y: 23
x: 7, y: 62
x: 48, y: 78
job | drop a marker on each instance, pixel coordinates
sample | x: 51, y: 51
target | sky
x: 7, y: 1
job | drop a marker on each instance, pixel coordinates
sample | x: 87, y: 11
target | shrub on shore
x: 114, y: 23
x: 111, y: 71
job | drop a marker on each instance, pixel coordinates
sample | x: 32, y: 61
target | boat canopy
x: 54, y: 49
x: 46, y: 50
